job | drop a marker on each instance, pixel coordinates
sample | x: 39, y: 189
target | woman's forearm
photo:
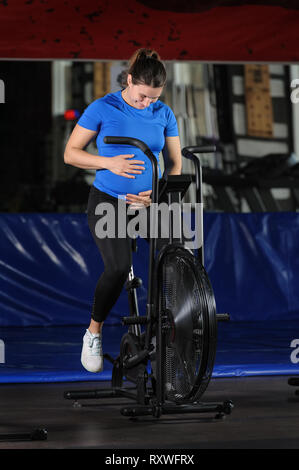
x: 175, y: 169
x: 82, y: 159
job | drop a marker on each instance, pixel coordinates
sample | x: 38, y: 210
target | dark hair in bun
x: 146, y: 68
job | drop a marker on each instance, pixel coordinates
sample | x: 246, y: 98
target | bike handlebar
x: 198, y: 149
x: 187, y: 152
x: 145, y: 149
x: 126, y: 141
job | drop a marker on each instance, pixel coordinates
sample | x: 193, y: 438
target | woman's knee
x: 119, y: 271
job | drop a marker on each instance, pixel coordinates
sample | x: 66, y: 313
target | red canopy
x: 179, y: 30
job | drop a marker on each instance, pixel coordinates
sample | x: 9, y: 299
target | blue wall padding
x: 49, y: 267
x: 253, y: 263
x: 52, y: 354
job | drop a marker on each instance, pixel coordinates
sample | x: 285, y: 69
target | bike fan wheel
x: 186, y: 298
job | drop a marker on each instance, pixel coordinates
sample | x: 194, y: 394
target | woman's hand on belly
x: 123, y: 164
x: 142, y: 199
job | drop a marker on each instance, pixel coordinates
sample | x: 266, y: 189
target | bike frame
x: 154, y: 317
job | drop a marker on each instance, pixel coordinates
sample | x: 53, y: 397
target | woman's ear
x: 129, y: 80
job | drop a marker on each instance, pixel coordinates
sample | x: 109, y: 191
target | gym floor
x: 265, y: 416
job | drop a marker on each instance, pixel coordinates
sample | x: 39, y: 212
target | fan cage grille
x: 183, y: 295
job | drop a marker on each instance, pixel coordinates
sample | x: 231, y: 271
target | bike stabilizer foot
x: 221, y: 409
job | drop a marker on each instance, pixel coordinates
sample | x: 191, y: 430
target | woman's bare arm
x: 75, y: 155
x: 172, y: 156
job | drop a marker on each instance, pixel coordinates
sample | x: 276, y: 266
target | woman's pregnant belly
x: 120, y: 185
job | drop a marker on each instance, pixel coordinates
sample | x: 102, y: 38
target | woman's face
x: 141, y: 96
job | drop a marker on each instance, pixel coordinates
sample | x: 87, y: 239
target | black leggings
x: 116, y: 254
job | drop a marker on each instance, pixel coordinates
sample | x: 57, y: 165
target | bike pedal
x: 133, y: 284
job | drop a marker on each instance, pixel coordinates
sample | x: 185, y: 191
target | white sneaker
x: 92, y: 354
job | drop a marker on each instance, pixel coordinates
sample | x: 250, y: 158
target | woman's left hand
x: 143, y: 198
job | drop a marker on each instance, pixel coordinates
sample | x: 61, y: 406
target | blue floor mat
x: 52, y: 354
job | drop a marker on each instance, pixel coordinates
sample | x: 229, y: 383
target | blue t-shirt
x: 112, y: 116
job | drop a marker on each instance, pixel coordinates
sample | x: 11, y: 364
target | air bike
x: 168, y: 353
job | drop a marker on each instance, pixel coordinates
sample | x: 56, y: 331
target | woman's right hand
x: 123, y: 164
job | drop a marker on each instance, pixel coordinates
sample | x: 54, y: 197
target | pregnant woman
x: 122, y: 173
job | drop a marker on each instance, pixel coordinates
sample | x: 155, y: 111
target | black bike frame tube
x: 188, y: 152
